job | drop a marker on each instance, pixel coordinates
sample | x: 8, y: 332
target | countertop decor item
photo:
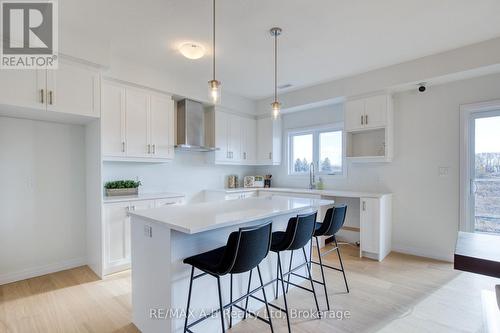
x: 232, y: 181
x: 122, y: 187
x: 267, y: 181
x: 248, y: 181
x: 258, y: 181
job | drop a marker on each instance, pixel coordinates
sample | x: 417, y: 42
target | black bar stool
x: 244, y: 251
x: 298, y: 233
x: 333, y: 221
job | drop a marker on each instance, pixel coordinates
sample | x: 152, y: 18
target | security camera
x: 421, y: 87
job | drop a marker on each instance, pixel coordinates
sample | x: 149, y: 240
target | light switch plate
x: 443, y: 171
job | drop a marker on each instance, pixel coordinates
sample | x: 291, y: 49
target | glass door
x: 485, y: 172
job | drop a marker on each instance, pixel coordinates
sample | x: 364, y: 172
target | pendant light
x: 276, y: 105
x: 214, y: 86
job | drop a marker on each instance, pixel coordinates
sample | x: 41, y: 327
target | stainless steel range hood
x: 191, y: 127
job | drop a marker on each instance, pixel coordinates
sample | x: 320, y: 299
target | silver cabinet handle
x: 123, y: 146
x: 149, y: 149
x: 361, y: 119
x: 244, y: 155
x: 271, y: 156
x: 364, y: 205
x: 154, y: 148
x: 51, y: 97
x: 42, y: 93
x: 366, y: 119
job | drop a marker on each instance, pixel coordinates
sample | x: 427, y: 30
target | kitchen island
x: 163, y: 237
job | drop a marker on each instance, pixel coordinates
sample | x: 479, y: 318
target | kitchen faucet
x: 312, y: 180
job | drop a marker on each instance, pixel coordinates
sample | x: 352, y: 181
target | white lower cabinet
x: 117, y: 230
x: 375, y: 227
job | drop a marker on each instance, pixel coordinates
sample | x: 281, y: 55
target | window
x: 323, y: 147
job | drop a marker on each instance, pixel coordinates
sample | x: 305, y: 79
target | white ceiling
x: 322, y: 39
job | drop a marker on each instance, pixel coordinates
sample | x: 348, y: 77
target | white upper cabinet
x: 367, y: 113
x: 221, y: 137
x: 73, y: 88
x: 137, y: 124
x: 162, y: 125
x: 113, y: 119
x: 235, y: 138
x: 368, y: 125
x: 248, y: 149
x: 354, y: 114
x: 376, y: 110
x: 268, y: 141
x: 23, y: 88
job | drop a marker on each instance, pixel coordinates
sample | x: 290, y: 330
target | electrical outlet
x: 148, y: 231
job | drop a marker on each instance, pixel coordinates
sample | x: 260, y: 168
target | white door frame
x: 467, y: 112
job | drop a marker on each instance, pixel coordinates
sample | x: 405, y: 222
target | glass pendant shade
x: 214, y: 91
x: 276, y: 107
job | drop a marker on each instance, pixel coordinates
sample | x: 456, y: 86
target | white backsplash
x: 189, y: 173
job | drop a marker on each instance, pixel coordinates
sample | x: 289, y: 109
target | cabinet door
x: 234, y: 138
x: 221, y: 136
x: 264, y: 140
x: 369, y: 225
x: 137, y: 123
x: 24, y: 88
x: 135, y: 206
x: 117, y: 234
x: 376, y: 111
x: 249, y: 141
x: 162, y: 126
x: 354, y: 112
x: 113, y: 119
x: 73, y: 88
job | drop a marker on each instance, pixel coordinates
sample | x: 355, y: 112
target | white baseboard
x: 422, y: 253
x: 41, y: 270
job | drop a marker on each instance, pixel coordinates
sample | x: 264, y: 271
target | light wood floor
x: 401, y: 294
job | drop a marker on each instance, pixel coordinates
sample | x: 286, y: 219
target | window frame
x: 316, y: 131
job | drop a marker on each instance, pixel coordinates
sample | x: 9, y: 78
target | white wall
x: 189, y: 173
x: 42, y: 197
x: 425, y: 205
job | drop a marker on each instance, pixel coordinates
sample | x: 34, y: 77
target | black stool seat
x: 277, y: 241
x: 299, y: 231
x: 209, y: 262
x: 332, y: 223
x: 244, y: 251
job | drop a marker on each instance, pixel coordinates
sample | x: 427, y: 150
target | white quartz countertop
x: 325, y: 193
x: 143, y: 196
x: 205, y: 216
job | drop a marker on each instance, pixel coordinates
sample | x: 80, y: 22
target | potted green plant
x: 122, y: 187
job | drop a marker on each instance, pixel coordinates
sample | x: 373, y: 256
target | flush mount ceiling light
x: 214, y: 86
x: 192, y: 50
x: 276, y: 105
